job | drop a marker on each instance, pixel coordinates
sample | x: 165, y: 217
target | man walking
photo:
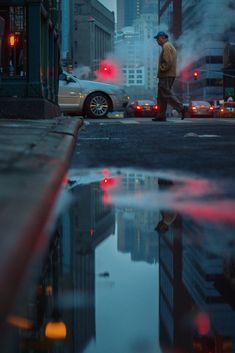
x: 166, y: 76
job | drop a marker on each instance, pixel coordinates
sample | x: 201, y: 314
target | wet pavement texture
x: 141, y: 262
x: 205, y: 147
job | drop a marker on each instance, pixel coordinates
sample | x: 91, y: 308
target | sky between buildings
x: 110, y: 4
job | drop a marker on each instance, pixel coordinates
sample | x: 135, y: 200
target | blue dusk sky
x: 110, y: 4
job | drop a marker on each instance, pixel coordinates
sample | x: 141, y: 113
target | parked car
x: 200, y: 109
x: 141, y: 108
x: 89, y: 98
x: 227, y: 110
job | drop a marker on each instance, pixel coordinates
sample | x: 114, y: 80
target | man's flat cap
x: 161, y: 34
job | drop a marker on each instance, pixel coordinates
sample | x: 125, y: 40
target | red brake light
x: 155, y: 107
x: 194, y: 108
x: 211, y: 108
x: 139, y: 107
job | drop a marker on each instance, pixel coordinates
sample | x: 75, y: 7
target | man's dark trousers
x: 166, y: 96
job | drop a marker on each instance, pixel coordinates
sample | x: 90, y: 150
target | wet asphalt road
x: 205, y: 147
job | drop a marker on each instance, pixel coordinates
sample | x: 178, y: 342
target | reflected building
x: 136, y: 235
x: 174, y: 301
x: 86, y: 225
x: 203, y: 276
x: 135, y: 228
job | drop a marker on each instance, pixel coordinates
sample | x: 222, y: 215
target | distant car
x: 200, y: 109
x: 91, y: 99
x: 227, y: 110
x: 141, y: 108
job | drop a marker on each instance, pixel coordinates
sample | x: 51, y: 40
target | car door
x: 69, y: 94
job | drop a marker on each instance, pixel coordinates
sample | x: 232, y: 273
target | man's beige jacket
x: 167, y: 61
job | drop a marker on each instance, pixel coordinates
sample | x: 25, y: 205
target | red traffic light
x: 195, y: 75
x: 108, y: 71
x: 12, y: 40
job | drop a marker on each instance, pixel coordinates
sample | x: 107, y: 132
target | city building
x: 200, y: 36
x: 92, y: 35
x: 127, y: 12
x: 66, y: 47
x: 170, y: 16
x: 137, y: 52
x: 130, y: 10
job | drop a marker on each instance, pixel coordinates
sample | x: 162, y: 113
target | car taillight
x: 155, y: 107
x: 139, y: 107
x: 194, y: 108
x: 222, y: 110
x: 211, y: 108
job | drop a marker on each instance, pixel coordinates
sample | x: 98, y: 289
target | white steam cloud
x: 211, y: 26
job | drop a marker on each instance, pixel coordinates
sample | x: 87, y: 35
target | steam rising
x: 211, y: 26
x: 82, y: 72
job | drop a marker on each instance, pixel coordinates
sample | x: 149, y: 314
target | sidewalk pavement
x: 34, y: 158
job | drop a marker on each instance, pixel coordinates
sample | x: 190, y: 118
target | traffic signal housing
x: 12, y: 40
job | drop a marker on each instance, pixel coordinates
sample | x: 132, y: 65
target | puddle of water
x: 144, y: 262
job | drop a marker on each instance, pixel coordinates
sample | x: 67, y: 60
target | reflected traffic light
x: 212, y: 344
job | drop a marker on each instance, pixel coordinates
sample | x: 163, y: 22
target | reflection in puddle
x: 141, y: 262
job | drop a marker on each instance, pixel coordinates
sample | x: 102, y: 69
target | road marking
x: 193, y: 134
x: 129, y: 122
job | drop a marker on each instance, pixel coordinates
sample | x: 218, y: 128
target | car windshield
x: 143, y: 102
x: 199, y: 103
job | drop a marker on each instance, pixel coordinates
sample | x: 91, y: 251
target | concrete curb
x: 31, y: 178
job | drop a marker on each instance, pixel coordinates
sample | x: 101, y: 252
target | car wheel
x: 97, y: 105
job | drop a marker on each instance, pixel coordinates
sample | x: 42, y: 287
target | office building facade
x: 130, y: 10
x: 92, y: 34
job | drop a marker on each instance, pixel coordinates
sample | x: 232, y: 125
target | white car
x: 91, y: 99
